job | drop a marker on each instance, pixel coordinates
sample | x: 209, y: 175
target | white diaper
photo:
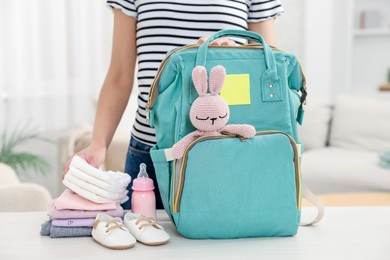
x: 84, y: 193
x: 114, y: 178
x: 95, y: 189
x: 94, y: 184
x: 97, y: 182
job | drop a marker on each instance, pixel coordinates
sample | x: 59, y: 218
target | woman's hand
x: 219, y: 41
x: 94, y: 155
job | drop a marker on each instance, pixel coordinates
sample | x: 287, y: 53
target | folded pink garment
x: 70, y: 200
x: 73, y: 222
x: 69, y: 213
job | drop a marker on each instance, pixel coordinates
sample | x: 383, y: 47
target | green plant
x: 20, y: 160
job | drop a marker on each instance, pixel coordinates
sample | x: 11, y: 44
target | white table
x: 345, y: 233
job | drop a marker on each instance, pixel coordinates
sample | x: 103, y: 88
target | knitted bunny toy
x: 210, y: 112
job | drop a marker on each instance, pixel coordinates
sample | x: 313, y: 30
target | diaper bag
x: 226, y: 186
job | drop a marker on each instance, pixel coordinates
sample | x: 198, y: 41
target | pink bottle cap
x: 142, y: 184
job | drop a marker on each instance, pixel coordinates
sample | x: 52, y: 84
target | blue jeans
x: 140, y: 153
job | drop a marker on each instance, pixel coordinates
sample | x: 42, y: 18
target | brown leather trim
x: 95, y: 224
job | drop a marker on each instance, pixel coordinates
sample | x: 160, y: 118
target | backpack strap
x: 308, y: 195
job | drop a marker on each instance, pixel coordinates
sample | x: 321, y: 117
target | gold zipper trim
x: 160, y: 70
x: 179, y: 192
x: 153, y: 96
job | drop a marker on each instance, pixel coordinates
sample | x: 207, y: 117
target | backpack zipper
x: 153, y: 96
x: 177, y: 188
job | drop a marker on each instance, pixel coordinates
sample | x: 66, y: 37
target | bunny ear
x: 199, y: 77
x: 217, y: 78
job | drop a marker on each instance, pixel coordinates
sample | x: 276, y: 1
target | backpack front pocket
x: 226, y: 187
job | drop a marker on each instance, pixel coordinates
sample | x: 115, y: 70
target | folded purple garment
x: 73, y: 222
x: 69, y: 213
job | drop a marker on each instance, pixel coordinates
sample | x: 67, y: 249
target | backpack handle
x: 270, y: 75
x: 201, y: 56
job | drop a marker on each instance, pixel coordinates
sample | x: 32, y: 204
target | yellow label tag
x: 236, y: 89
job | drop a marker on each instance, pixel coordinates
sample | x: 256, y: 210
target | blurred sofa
x: 18, y: 196
x: 342, y: 141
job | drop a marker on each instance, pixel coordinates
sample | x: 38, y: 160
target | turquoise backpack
x: 253, y: 186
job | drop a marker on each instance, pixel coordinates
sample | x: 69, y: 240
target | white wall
x: 338, y: 59
x: 290, y: 29
x: 371, y: 49
x: 370, y: 68
x: 318, y: 33
x: 53, y: 59
x: 318, y: 47
x: 341, y: 53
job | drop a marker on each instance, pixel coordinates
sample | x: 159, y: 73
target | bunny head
x: 209, y: 112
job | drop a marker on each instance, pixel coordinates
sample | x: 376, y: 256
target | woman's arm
x: 266, y: 29
x: 118, y: 84
x: 115, y: 91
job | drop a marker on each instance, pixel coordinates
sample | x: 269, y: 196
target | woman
x: 146, y: 30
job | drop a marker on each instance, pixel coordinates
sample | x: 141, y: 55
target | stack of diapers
x: 71, y: 215
x: 95, y: 184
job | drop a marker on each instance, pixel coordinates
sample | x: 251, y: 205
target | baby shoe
x: 111, y: 233
x: 146, y: 230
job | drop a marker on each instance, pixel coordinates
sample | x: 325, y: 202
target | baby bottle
x: 143, y: 199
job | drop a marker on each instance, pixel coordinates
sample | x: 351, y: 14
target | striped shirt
x: 164, y: 25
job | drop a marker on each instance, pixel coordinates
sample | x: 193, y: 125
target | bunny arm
x: 246, y: 131
x: 179, y: 147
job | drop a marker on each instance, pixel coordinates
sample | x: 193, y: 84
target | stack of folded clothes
x: 72, y: 215
x: 385, y: 159
x: 90, y: 191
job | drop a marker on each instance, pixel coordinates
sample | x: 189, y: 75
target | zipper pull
x: 150, y: 117
x: 300, y: 115
x: 147, y: 114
